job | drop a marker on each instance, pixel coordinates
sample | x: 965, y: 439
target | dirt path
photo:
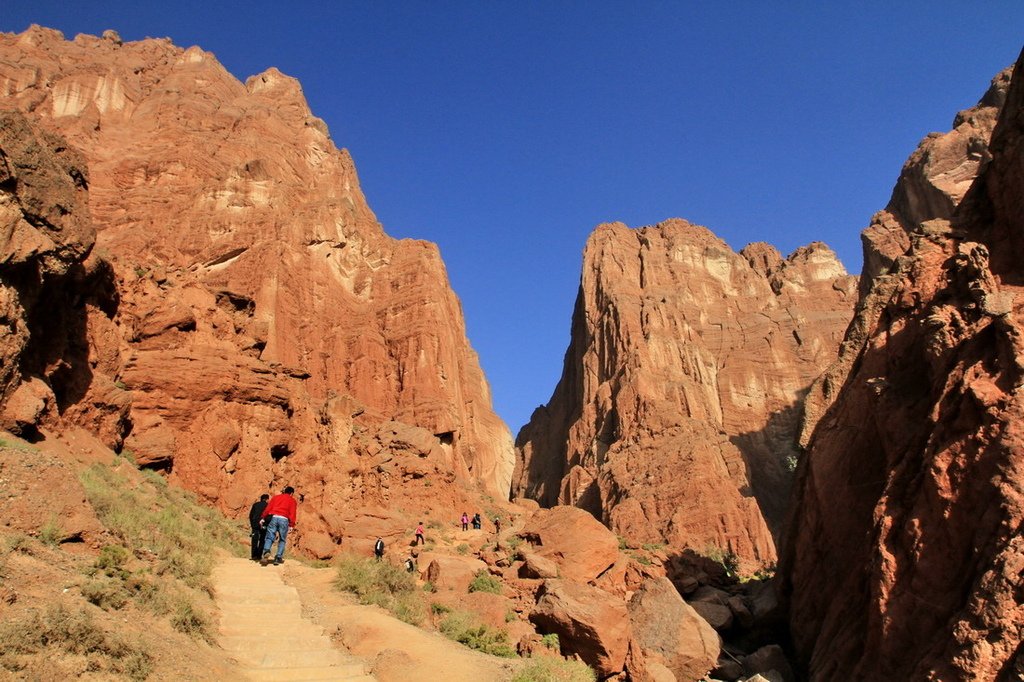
x: 263, y: 628
x: 396, y: 651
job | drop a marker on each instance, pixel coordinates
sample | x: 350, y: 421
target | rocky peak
x: 675, y: 415
x: 266, y: 329
x: 902, y: 559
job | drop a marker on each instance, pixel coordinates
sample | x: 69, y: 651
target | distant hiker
x: 279, y: 516
x: 419, y: 535
x: 476, y: 521
x: 410, y: 564
x: 259, y: 531
x: 497, y: 525
x: 465, y: 521
x: 378, y: 549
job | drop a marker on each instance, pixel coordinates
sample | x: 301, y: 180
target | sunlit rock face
x: 267, y: 330
x: 932, y: 183
x: 676, y: 415
x: 903, y: 558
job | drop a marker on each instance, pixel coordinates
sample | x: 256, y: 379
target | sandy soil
x: 393, y: 650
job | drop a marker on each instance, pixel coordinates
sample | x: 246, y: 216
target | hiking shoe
x: 278, y: 561
x: 265, y: 560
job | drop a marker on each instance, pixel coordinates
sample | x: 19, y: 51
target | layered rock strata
x: 266, y: 331
x: 676, y: 414
x: 903, y: 557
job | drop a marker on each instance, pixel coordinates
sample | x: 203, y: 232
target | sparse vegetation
x: 59, y: 629
x: 622, y: 543
x: 464, y: 628
x: 165, y: 542
x: 380, y: 583
x: 485, y: 582
x: 17, y: 445
x: 726, y: 557
x: 510, y: 616
x: 654, y: 546
x: 550, y: 640
x: 439, y: 609
x: 462, y: 549
x: 792, y: 460
x: 549, y: 669
x: 51, y: 533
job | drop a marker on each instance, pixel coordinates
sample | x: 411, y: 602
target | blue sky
x: 505, y: 131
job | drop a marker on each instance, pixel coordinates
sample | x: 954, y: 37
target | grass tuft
x: 549, y: 669
x: 380, y: 583
x: 61, y: 630
x: 463, y: 627
x: 485, y: 582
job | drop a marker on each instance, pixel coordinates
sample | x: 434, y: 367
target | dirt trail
x: 397, y: 651
x: 263, y: 628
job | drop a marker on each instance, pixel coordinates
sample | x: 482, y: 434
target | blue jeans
x: 278, y: 526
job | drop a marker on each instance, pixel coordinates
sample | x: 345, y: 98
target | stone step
x: 254, y: 598
x: 262, y: 642
x: 297, y: 658
x: 309, y: 675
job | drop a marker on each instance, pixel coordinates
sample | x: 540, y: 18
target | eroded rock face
x: 931, y: 185
x: 267, y: 331
x: 904, y: 559
x: 678, y: 405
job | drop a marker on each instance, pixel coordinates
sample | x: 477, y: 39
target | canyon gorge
x: 190, y: 274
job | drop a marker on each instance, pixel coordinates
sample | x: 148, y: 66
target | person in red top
x: 280, y: 516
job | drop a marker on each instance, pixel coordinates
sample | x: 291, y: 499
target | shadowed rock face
x: 268, y: 331
x: 904, y: 555
x: 678, y: 404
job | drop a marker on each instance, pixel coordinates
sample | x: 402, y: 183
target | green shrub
x: 485, y: 582
x: 550, y: 640
x: 464, y: 628
x: 462, y: 549
x: 549, y: 669
x: 439, y: 609
x: 510, y: 616
x: 654, y: 546
x: 380, y: 583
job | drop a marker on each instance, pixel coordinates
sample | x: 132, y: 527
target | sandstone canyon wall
x: 259, y: 326
x: 904, y: 558
x: 678, y: 406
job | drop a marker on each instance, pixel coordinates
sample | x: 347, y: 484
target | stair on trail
x: 262, y: 628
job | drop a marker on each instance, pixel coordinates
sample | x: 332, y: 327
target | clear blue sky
x: 505, y: 131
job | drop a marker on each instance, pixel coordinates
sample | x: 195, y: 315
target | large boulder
x: 588, y: 621
x: 670, y: 633
x: 453, y: 572
x: 574, y: 540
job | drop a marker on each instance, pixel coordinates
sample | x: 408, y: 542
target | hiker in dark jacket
x: 279, y: 516
x: 378, y: 549
x: 259, y: 531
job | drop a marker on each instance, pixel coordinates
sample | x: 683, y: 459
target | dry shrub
x: 60, y: 630
x: 380, y: 583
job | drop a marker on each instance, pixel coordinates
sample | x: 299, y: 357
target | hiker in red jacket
x: 280, y: 516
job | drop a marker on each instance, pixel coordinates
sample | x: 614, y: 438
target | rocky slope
x: 676, y: 415
x: 903, y: 559
x: 257, y: 326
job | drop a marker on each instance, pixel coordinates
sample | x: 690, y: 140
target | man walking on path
x: 259, y: 531
x: 280, y: 516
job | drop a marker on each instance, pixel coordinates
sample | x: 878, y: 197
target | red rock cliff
x: 677, y: 408
x: 267, y: 330
x: 904, y: 558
